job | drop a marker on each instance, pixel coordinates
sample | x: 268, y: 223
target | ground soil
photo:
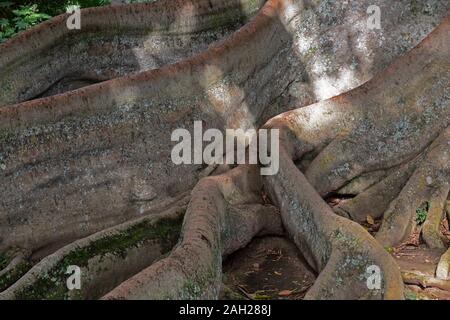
x: 268, y: 268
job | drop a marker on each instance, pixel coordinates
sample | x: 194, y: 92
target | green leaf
x: 5, y: 4
x: 4, y: 23
x: 422, y: 212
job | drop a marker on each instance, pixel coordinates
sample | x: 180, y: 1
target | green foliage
x: 8, y: 277
x: 28, y: 16
x: 23, y: 18
x: 422, y: 212
x: 20, y: 15
x: 57, y: 7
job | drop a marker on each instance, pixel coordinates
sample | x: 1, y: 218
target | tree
x: 94, y: 164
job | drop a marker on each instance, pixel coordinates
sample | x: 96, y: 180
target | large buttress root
x: 339, y: 249
x: 13, y: 265
x: 134, y: 38
x: 110, y: 145
x: 431, y: 228
x: 102, y: 257
x: 394, y: 127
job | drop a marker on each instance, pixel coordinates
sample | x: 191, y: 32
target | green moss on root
x: 52, y: 285
x: 194, y: 288
x: 4, y: 260
x: 11, y: 277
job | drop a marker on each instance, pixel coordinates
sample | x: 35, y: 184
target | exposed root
x: 341, y: 250
x: 376, y: 128
x: 428, y: 184
x: 15, y: 264
x: 443, y: 268
x: 224, y: 214
x: 93, y: 148
x: 425, y: 281
x: 355, y: 142
x: 431, y: 232
x: 101, y: 258
x: 375, y: 200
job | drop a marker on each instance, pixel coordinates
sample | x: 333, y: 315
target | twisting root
x: 224, y: 214
x: 443, y: 268
x: 375, y: 200
x: 425, y: 281
x: 13, y: 266
x: 431, y: 228
x: 429, y: 185
x: 341, y: 250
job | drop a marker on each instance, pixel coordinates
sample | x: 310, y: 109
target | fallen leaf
x: 277, y: 273
x: 285, y: 293
x: 370, y: 220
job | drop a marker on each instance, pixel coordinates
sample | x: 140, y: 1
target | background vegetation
x: 19, y: 15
